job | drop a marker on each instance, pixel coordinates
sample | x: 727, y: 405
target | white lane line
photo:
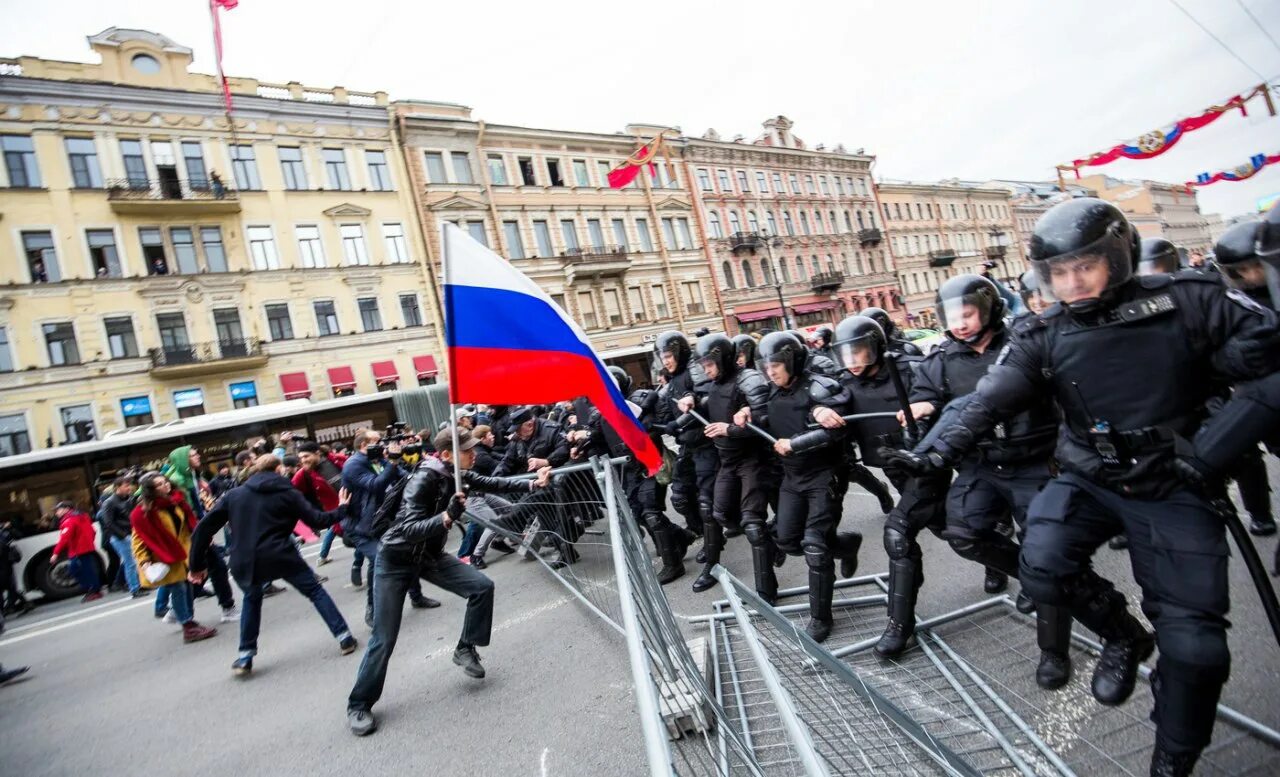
x: 113, y: 604
x: 545, y: 750
x: 516, y: 621
x: 69, y: 624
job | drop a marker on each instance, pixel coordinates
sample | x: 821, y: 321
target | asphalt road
x: 113, y: 691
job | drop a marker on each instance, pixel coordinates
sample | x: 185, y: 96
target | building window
x: 262, y: 248
x: 753, y: 223
x: 326, y: 318
x: 526, y: 171
x: 553, y: 172
x: 840, y: 186
x: 83, y: 156
x: 723, y: 177
x: 713, y: 224
x: 762, y: 184
x: 193, y: 158
x: 77, y: 423
x: 682, y: 231
x: 190, y: 402
x: 646, y: 238
x: 822, y: 184
x: 787, y: 223
x: 497, y: 170
x: 786, y: 270
x: 587, y: 310
x: 693, y: 301
x: 379, y: 173
x: 20, y: 161
x: 184, y: 250
x: 773, y: 222
x: 636, y: 300
x: 13, y: 435
x: 6, y: 355
x: 136, y: 411
x: 704, y: 179
x: 410, y: 310
x: 659, y: 295
x: 244, y: 168
x: 370, y: 317
x: 215, y: 256
x: 42, y: 260
x: 808, y: 184
x: 511, y: 238
x: 596, y: 233
x: 742, y: 181
x: 766, y: 275
x: 580, y: 172
x: 353, y: 248
x: 229, y: 333
x: 121, y: 341
x: 602, y: 169
x: 295, y: 173
x: 279, y: 325
x: 135, y: 166
x: 244, y: 394
x: 804, y: 223
x: 777, y: 184
x: 60, y: 340
x: 542, y: 236
x: 461, y: 166
x: 794, y: 180
x: 393, y: 239
x: 620, y: 233
x: 173, y: 338
x: 477, y: 232
x: 310, y: 249
x: 335, y: 169
x: 726, y: 269
x: 735, y: 223
x: 613, y: 307
x: 669, y: 233
x: 800, y: 273
x: 435, y: 166
x: 569, y: 233
x: 748, y: 275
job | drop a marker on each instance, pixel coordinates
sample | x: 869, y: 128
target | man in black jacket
x: 262, y: 514
x: 413, y: 547
x: 113, y: 515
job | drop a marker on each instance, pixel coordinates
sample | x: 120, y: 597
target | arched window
x: 818, y: 226
x: 859, y: 215
x: 831, y: 264
x: 773, y: 222
x: 735, y: 223
x: 753, y: 223
x: 800, y: 274
x: 714, y: 221
x: 786, y: 222
x: 831, y: 219
x: 848, y: 222
x: 804, y: 223
x: 786, y: 270
x: 727, y: 269
x: 748, y: 277
x: 766, y: 275
x: 817, y: 268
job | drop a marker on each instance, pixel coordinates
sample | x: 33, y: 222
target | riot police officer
x: 895, y: 339
x: 822, y: 342
x: 744, y: 349
x: 1158, y: 256
x: 695, y: 471
x: 812, y: 484
x: 1131, y: 362
x: 747, y: 352
x: 738, y: 493
x: 1031, y: 296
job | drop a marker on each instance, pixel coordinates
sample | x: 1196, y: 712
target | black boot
x: 763, y: 550
x: 1263, y: 526
x: 822, y: 579
x: 672, y: 561
x: 904, y: 582
x: 847, y: 546
x: 1167, y: 764
x: 712, y: 541
x: 733, y: 528
x: 1053, y: 634
x: 1126, y: 644
x: 995, y: 581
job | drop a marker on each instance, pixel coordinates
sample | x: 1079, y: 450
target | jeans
x: 396, y: 569
x: 309, y: 586
x: 85, y: 570
x: 123, y: 546
x: 178, y: 595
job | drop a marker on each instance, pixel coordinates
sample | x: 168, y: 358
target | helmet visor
x: 1253, y: 275
x: 1084, y: 274
x: 859, y: 353
x: 697, y: 372
x: 969, y: 312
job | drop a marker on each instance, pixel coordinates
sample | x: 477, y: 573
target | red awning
x: 425, y: 366
x: 814, y: 307
x: 758, y: 315
x: 295, y: 385
x: 341, y: 378
x: 385, y: 372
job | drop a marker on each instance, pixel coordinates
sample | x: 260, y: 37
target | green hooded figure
x: 181, y: 476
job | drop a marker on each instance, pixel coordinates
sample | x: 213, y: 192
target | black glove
x: 915, y: 463
x: 457, y: 506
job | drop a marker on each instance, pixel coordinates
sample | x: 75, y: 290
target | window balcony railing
x: 869, y: 237
x: 201, y: 355
x: 942, y: 257
x: 826, y: 281
x: 744, y: 241
x: 137, y: 195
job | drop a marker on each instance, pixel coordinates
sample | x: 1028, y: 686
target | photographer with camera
x: 369, y: 474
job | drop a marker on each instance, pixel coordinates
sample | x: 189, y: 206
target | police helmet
x: 621, y: 378
x: 718, y: 350
x: 823, y: 335
x: 859, y: 343
x: 786, y: 349
x: 1267, y: 242
x: 1158, y: 256
x: 969, y: 290
x: 881, y: 317
x: 1237, y: 257
x: 744, y: 348
x: 1074, y: 236
x: 676, y: 344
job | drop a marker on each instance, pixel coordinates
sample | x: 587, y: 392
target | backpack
x: 385, y: 515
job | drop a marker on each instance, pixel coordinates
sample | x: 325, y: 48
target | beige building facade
x: 792, y: 230
x: 158, y: 262
x: 939, y: 230
x: 1157, y: 209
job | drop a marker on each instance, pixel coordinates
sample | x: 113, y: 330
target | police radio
x: 1103, y: 439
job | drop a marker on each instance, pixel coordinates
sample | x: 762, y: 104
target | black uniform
x: 693, y: 481
x: 1132, y: 379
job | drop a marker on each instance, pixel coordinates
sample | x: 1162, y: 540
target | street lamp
x: 1000, y: 242
x: 770, y: 242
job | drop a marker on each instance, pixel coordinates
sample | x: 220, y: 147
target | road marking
x: 69, y: 624
x: 516, y: 621
x: 545, y: 750
x: 113, y: 604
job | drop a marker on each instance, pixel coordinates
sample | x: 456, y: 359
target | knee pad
x: 896, y: 543
x: 1044, y: 587
x: 654, y: 521
x: 817, y: 557
x: 1191, y: 645
x: 963, y: 546
x: 757, y: 533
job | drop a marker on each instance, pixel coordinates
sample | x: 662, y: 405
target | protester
x: 8, y: 674
x: 75, y: 544
x: 183, y: 471
x: 113, y: 516
x: 222, y: 482
x: 162, y: 523
x: 13, y: 600
x: 262, y: 514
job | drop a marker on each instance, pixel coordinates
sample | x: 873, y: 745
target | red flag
x: 626, y: 172
x: 225, y: 5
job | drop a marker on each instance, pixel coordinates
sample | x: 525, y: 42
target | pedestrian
x: 8, y: 674
x: 11, y: 598
x: 215, y: 183
x: 75, y: 544
x: 113, y: 516
x: 162, y: 524
x: 413, y: 548
x: 222, y: 482
x: 262, y: 514
x: 184, y: 472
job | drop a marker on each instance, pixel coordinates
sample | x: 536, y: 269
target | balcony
x: 595, y: 262
x: 744, y: 241
x: 995, y: 253
x: 206, y: 358
x: 942, y: 257
x: 826, y: 281
x: 870, y: 237
x: 171, y: 197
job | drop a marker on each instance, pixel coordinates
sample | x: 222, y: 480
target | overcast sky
x: 934, y: 89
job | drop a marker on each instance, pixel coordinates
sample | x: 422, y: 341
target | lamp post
x: 771, y: 241
x: 1000, y: 243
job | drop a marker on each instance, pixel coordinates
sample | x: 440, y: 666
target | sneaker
x: 194, y: 632
x: 242, y: 666
x: 362, y: 722
x: 465, y: 560
x: 322, y: 561
x: 478, y: 562
x: 8, y: 674
x: 92, y: 597
x: 501, y: 546
x: 201, y: 592
x: 356, y: 581
x: 423, y: 602
x: 138, y: 594
x: 169, y: 617
x: 469, y: 660
x: 348, y: 645
x: 271, y: 589
x: 1262, y: 527
x: 230, y: 615
x: 322, y: 578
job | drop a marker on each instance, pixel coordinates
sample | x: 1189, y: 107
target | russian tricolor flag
x: 509, y: 344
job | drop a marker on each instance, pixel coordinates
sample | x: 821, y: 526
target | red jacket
x: 316, y: 488
x: 76, y: 537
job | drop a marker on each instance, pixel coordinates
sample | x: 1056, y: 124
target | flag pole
x: 453, y: 374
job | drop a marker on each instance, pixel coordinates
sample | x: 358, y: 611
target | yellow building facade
x: 157, y: 261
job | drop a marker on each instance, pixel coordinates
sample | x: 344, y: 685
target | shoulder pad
x: 1196, y: 276
x: 750, y: 380
x: 822, y: 387
x: 1246, y: 302
x: 1026, y: 324
x: 1156, y: 281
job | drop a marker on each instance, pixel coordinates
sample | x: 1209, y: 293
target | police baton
x: 863, y: 417
x: 1252, y: 561
x: 771, y: 439
x: 900, y: 389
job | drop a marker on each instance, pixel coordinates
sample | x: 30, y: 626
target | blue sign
x: 246, y: 390
x: 135, y: 406
x: 188, y: 398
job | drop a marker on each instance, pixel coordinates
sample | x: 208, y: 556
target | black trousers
x: 737, y: 490
x: 693, y: 482
x: 808, y: 510
x: 985, y: 496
